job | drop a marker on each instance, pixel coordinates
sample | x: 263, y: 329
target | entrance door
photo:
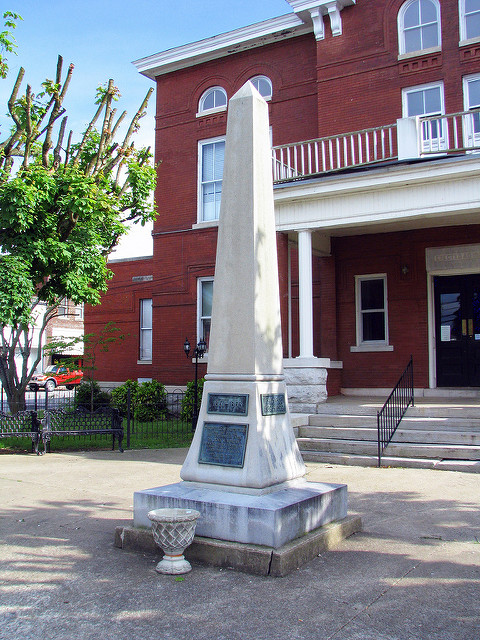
x: 457, y: 329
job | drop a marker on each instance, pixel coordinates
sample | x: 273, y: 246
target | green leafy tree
x: 7, y: 41
x: 64, y: 206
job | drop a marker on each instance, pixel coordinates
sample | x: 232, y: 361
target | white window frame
x: 145, y: 330
x: 370, y: 345
x: 429, y: 141
x: 255, y: 79
x: 201, y: 109
x: 463, y: 25
x: 200, y: 204
x: 62, y: 309
x: 200, y: 317
x: 401, y: 31
x: 470, y: 136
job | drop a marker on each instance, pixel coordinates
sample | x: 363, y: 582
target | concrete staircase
x: 438, y: 433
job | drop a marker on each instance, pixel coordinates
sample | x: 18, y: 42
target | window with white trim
x: 419, y: 26
x: 211, y: 156
x: 469, y: 11
x: 263, y: 85
x: 204, y: 308
x: 371, y: 310
x: 145, y: 351
x: 427, y: 100
x: 471, y: 101
x: 62, y: 309
x: 214, y: 99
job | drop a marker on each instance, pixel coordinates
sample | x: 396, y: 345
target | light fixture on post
x: 198, y: 352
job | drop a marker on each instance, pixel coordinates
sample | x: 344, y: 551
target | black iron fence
x: 390, y: 415
x: 157, y: 424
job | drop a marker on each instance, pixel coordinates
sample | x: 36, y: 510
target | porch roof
x: 392, y: 196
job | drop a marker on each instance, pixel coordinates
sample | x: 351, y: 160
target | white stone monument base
x: 269, y: 519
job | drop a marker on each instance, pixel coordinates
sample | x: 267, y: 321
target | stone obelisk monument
x: 244, y: 472
x: 245, y: 383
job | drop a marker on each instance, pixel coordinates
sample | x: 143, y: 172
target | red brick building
x: 375, y: 133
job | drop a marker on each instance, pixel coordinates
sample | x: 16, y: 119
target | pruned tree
x: 64, y: 205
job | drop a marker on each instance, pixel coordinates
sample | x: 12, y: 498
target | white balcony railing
x: 332, y: 153
x: 417, y: 137
x: 452, y: 133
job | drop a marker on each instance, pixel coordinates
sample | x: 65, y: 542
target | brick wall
x: 335, y: 85
x: 407, y: 300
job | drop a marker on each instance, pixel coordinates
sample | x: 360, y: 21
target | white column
x: 305, y: 293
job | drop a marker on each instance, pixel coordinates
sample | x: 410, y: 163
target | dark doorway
x: 457, y: 330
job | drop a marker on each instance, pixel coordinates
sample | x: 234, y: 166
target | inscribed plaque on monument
x: 273, y: 404
x: 223, y: 444
x: 227, y: 403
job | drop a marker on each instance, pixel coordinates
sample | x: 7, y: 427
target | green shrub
x: 151, y: 401
x: 148, y: 400
x: 90, y: 396
x: 120, y: 396
x: 188, y: 400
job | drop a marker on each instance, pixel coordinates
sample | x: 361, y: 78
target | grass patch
x: 143, y: 435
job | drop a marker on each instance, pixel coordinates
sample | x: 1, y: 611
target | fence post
x: 379, y: 448
x: 411, y: 381
x: 129, y: 404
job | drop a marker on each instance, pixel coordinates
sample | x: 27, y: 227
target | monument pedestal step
x: 248, y: 558
x: 271, y: 519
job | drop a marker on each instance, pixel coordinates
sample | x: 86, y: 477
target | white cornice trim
x: 378, y: 178
x: 394, y: 197
x: 319, y: 8
x: 232, y: 42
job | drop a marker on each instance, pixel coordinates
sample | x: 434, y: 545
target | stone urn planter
x: 173, y: 531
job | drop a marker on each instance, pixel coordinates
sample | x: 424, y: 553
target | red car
x: 55, y: 375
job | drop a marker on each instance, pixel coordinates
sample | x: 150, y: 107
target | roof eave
x: 225, y: 44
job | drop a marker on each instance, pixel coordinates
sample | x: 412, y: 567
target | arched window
x: 419, y: 25
x: 263, y: 85
x: 213, y: 98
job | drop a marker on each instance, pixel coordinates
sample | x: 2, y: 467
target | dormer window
x: 263, y: 85
x: 419, y: 26
x: 214, y: 99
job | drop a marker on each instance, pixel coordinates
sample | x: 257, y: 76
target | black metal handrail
x: 390, y: 415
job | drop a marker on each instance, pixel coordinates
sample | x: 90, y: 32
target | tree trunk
x: 16, y: 400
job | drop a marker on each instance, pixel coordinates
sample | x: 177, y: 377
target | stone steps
x: 434, y: 434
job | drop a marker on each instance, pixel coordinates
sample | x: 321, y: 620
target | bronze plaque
x: 223, y: 444
x: 273, y: 404
x: 228, y: 404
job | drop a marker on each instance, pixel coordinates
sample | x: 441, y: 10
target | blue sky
x: 103, y: 37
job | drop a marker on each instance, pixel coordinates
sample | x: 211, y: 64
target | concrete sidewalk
x: 413, y: 573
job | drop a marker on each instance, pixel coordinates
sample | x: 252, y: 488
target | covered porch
x: 416, y: 203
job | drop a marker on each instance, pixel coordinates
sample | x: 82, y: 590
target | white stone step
x: 402, y: 434
x: 409, y: 421
x: 370, y: 407
x: 471, y: 466
x: 396, y: 449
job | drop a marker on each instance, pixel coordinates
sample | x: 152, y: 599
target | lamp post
x: 198, y: 352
